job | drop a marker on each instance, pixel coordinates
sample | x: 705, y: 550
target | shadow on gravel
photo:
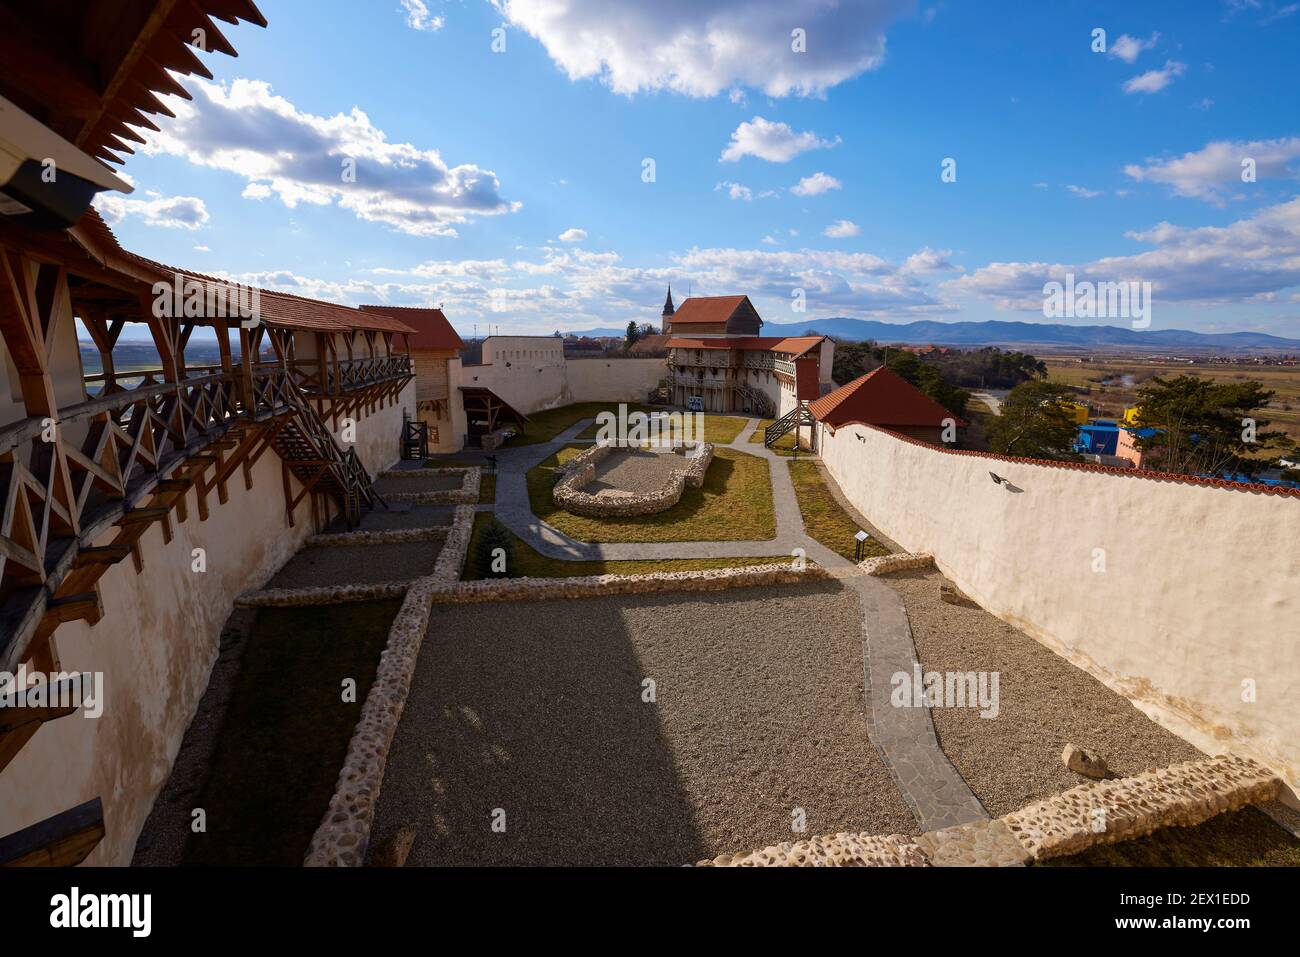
x: 545, y: 722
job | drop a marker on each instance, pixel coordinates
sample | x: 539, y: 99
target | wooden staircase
x: 310, y: 452
x: 754, y: 401
x: 795, y: 418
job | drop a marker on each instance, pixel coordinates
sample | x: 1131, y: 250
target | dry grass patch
x: 734, y: 505
x: 823, y: 518
x: 718, y: 429
x: 546, y: 425
x: 528, y: 563
x: 286, y: 732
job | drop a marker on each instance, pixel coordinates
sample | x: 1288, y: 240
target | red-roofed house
x: 718, y: 362
x: 435, y: 352
x: 887, y: 400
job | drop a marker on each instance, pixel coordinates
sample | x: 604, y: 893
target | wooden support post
x: 64, y: 840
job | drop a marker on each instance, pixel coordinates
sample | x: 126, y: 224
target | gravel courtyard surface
x: 1046, y: 703
x: 359, y: 564
x: 418, y: 481
x: 536, y: 708
x: 399, y: 515
x: 635, y: 471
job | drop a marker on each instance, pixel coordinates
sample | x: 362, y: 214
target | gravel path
x: 415, y: 481
x: 1045, y: 703
x: 535, y: 708
x: 357, y: 564
x: 399, y: 515
x: 635, y: 471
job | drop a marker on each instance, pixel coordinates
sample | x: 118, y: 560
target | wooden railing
x: 349, y: 375
x: 785, y: 366
x: 114, y: 448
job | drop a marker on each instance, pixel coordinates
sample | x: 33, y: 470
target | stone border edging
x: 1092, y: 814
x: 597, y: 586
x: 451, y: 559
x: 343, y: 836
x: 896, y: 562
x: 581, y: 470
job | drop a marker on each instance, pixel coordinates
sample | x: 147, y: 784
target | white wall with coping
x: 1199, y: 593
x: 536, y: 384
x: 156, y: 644
x: 614, y: 380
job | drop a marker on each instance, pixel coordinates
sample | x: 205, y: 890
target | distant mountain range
x: 997, y: 332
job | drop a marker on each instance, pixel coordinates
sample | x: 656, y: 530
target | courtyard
x: 537, y: 708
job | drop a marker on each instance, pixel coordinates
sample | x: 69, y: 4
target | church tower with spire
x: 669, y: 309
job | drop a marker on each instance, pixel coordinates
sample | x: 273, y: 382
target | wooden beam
x: 73, y: 607
x: 18, y: 707
x: 101, y: 555
x: 64, y: 840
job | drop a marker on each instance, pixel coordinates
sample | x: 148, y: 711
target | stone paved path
x: 905, y: 737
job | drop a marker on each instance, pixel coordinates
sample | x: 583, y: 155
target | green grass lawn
x: 529, y: 564
x: 823, y: 518
x: 544, y: 426
x: 487, y: 488
x: 783, y: 446
x: 286, y: 732
x: 1245, y: 838
x: 718, y: 429
x: 735, y: 504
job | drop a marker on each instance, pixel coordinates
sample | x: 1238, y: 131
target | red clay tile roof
x: 796, y: 345
x: 277, y: 308
x: 651, y: 343
x: 706, y: 310
x: 880, y: 398
x: 91, y: 71
x: 432, y: 330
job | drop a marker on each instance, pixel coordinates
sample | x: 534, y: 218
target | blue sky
x: 509, y: 187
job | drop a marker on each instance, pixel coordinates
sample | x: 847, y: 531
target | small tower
x: 669, y: 309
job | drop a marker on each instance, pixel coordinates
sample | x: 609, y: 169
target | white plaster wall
x: 155, y: 644
x: 379, y: 436
x: 527, y: 386
x: 1200, y: 590
x: 532, y: 385
x: 614, y: 380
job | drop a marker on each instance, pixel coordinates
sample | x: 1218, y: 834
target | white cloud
x: 1153, y: 81
x: 1211, y: 172
x: 1083, y: 191
x: 202, y: 249
x: 774, y: 142
x: 1128, y: 48
x: 298, y: 157
x: 573, y: 235
x: 1207, y: 264
x: 814, y: 184
x: 418, y: 16
x: 842, y: 229
x: 175, y: 212
x: 735, y: 190
x: 571, y: 288
x: 702, y: 49
x: 927, y: 260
